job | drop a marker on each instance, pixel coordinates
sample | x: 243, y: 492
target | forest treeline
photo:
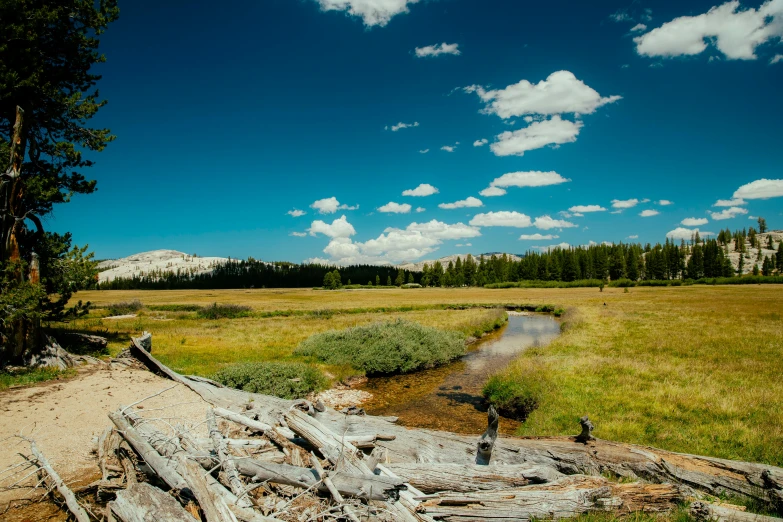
x: 692, y: 260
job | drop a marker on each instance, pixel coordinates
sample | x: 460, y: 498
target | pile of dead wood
x: 262, y: 458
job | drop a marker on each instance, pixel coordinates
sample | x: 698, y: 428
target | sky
x: 384, y: 131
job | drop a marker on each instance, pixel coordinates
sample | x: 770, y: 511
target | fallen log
x: 705, y: 512
x: 487, y: 441
x: 70, y: 499
x: 242, y: 419
x: 229, y: 468
x: 431, y: 478
x: 212, y: 505
x: 144, y: 503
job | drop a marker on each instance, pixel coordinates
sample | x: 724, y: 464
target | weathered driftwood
x: 406, y: 507
x: 70, y: 499
x: 705, y: 512
x: 229, y: 468
x: 569, y: 497
x: 431, y: 478
x: 487, y: 440
x: 144, y: 503
x: 244, y: 420
x: 212, y: 505
x: 327, y: 481
x: 94, y: 343
x: 587, y: 430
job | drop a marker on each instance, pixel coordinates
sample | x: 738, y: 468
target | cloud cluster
x: 736, y: 32
x: 624, y: 203
x: 481, y: 142
x: 532, y: 178
x: 728, y: 213
x: 401, y: 125
x: 560, y: 93
x: 437, y: 50
x: 450, y: 148
x: 424, y: 189
x: 395, y: 208
x: 547, y: 223
x: 761, y: 188
x: 339, y: 228
x: 665, y: 202
x: 649, y: 213
x: 469, y: 202
x: 296, y: 213
x: 581, y: 209
x: 554, y: 131
x: 537, y: 237
x: 686, y: 233
x: 330, y: 206
x: 694, y: 222
x: 503, y: 218
x: 372, y: 12
x: 734, y: 202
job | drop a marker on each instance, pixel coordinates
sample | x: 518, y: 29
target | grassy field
x: 694, y: 369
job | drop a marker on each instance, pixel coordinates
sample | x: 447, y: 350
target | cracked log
x: 431, y: 478
x: 142, y: 503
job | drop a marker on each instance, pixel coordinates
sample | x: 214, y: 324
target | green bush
x: 513, y: 397
x: 224, y: 311
x: 281, y: 379
x: 385, y: 347
x: 125, y: 307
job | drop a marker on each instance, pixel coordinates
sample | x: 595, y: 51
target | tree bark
x: 142, y: 503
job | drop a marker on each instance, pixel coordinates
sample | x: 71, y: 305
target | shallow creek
x: 449, y: 397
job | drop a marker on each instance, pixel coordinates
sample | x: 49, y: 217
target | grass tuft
x: 125, y: 307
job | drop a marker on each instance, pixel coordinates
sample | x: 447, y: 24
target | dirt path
x: 64, y: 416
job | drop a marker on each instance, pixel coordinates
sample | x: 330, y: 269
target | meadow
x: 693, y: 368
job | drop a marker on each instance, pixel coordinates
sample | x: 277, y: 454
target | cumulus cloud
x: 339, y: 228
x: 296, y: 213
x: 372, y: 12
x: 761, y: 188
x: 420, y: 209
x: 554, y: 131
x: 502, y: 219
x: 580, y: 209
x: 562, y: 246
x: 775, y: 59
x: 424, y: 189
x: 481, y: 142
x: 330, y: 206
x: 735, y: 202
x: 624, y: 203
x: 437, y: 50
x: 638, y: 28
x: 299, y: 234
x: 560, y: 93
x: 401, y: 125
x: 450, y: 148
x: 694, y: 222
x: 635, y: 236
x: 537, y: 237
x: 493, y: 191
x: 736, y: 32
x: 663, y: 202
x: 686, y: 233
x: 464, y: 244
x: 395, y: 208
x: 469, y: 202
x: 547, y: 223
x: 440, y: 230
x: 424, y: 151
x: 648, y: 213
x: 728, y: 213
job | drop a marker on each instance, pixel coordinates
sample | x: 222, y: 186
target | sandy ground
x: 65, y: 416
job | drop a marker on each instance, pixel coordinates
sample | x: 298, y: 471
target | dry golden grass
x: 696, y: 369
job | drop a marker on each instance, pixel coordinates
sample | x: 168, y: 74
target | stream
x: 449, y: 397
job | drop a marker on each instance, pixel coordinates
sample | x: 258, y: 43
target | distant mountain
x: 163, y: 261
x: 418, y: 266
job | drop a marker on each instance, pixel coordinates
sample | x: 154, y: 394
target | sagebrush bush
x: 385, y: 347
x: 224, y: 311
x: 125, y: 307
x: 175, y: 308
x: 287, y: 380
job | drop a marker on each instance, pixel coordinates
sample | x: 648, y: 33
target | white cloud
x: 638, y: 28
x: 624, y: 203
x: 728, y: 213
x: 537, y: 237
x: 554, y: 131
x: 694, y: 222
x: 775, y: 59
x: 493, y: 191
x: 340, y: 228
x: 420, y: 209
x: 299, y: 234
x: 330, y: 206
x: 372, y: 12
x: 620, y: 211
x: 547, y: 223
x: 735, y: 202
x: 481, y: 142
x: 560, y: 93
x: 296, y: 213
x: 503, y: 218
x: 464, y: 244
x: 579, y: 214
x: 635, y: 236
x: 440, y: 230
x: 532, y: 178
x: 579, y: 209
x: 437, y: 50
x: 663, y: 202
x: 395, y: 208
x: 648, y: 213
x: 424, y: 151
x: 401, y: 125
x: 450, y: 148
x: 735, y: 31
x: 424, y: 189
x: 647, y: 200
x: 469, y: 202
x: 761, y: 188
x: 563, y: 246
x: 686, y: 233
x: 620, y: 16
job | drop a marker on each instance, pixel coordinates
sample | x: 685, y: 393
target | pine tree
x: 388, y: 281
x: 779, y: 257
x: 770, y: 245
x: 741, y: 266
x: 762, y: 225
x: 756, y: 269
x: 400, y: 280
x: 377, y: 280
x: 767, y: 266
x: 410, y: 278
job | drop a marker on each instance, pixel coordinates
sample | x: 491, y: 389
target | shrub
x: 224, y: 311
x: 385, y: 347
x: 175, y: 308
x: 514, y: 397
x: 281, y: 379
x: 125, y: 307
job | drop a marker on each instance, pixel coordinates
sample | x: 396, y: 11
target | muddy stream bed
x: 449, y: 397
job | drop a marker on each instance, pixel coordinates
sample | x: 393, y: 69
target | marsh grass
x: 223, y: 311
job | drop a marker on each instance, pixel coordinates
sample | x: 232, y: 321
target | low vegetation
x: 125, y: 307
x: 224, y: 311
x: 289, y: 380
x: 385, y: 347
x: 27, y: 376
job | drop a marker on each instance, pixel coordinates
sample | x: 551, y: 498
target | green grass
x: 125, y: 307
x: 31, y: 376
x: 287, y: 380
x: 385, y: 347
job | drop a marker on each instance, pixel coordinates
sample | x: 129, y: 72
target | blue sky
x: 229, y: 119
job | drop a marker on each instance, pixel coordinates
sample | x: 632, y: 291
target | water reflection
x: 449, y: 397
